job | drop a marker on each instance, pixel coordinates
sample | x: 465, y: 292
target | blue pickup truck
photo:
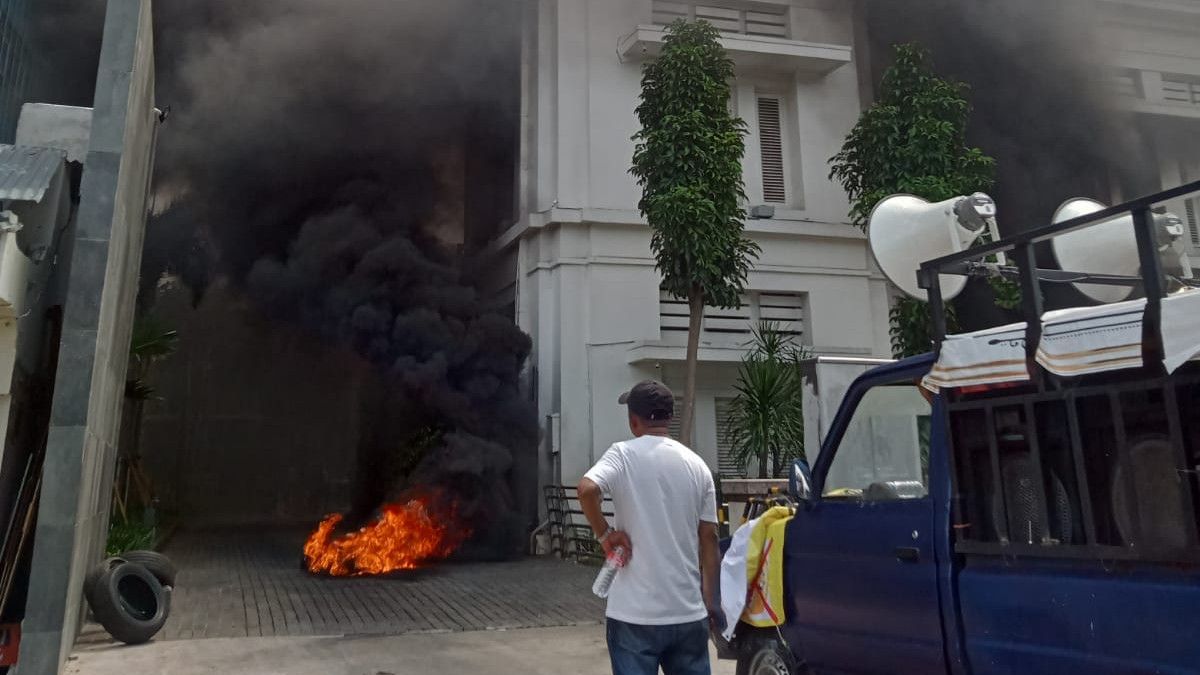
x: 1044, y: 526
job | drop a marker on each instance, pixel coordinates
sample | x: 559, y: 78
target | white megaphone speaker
x: 905, y: 231
x: 1110, y: 247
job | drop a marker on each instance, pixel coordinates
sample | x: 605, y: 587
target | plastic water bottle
x: 612, y: 564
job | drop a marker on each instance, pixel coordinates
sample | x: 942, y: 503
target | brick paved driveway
x: 248, y: 583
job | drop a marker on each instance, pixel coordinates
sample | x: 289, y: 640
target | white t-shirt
x: 661, y: 491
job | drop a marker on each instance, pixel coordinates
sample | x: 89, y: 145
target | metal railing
x: 1021, y: 248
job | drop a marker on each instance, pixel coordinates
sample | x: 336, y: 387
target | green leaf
x: 766, y: 417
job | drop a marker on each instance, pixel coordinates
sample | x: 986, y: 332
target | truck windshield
x: 884, y: 453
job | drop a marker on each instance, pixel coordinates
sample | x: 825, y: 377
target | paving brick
x: 249, y: 582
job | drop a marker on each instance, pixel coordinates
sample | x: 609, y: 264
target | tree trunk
x: 695, y: 319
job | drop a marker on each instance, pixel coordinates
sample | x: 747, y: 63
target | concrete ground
x: 532, y: 651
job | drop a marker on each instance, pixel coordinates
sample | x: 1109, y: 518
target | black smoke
x: 303, y: 159
x: 1040, y: 103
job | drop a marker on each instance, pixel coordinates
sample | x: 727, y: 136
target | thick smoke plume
x: 1041, y: 108
x: 306, y: 158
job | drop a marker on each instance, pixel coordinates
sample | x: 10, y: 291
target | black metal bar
x: 1175, y: 430
x: 963, y: 482
x: 1031, y: 298
x: 997, y: 479
x: 1035, y: 454
x: 1146, y: 234
x: 932, y: 284
x: 1099, y: 552
x: 1046, y: 232
x: 1080, y: 392
x: 986, y: 270
x: 1126, y: 464
x: 1081, y: 478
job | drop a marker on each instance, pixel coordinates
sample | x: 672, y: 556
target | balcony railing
x: 739, y: 19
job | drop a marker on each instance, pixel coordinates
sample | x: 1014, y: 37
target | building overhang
x: 748, y: 51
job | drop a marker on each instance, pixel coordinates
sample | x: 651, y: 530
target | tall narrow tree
x: 912, y: 140
x: 688, y: 161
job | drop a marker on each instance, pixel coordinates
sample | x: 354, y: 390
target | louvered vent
x: 727, y: 467
x: 733, y: 326
x: 674, y: 427
x: 770, y: 135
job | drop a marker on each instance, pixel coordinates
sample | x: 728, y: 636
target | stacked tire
x: 130, y: 595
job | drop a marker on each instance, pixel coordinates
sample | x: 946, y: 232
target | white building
x: 1153, y: 52
x: 585, y: 285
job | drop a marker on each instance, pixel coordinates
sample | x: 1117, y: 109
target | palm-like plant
x: 149, y: 343
x: 766, y: 418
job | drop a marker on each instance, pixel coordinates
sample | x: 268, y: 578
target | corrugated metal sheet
x: 26, y: 172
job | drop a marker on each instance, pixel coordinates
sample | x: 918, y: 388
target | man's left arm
x: 710, y: 571
x: 710, y: 556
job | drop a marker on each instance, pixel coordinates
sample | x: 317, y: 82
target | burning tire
x: 156, y: 563
x: 127, y: 600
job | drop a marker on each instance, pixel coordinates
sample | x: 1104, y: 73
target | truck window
x: 884, y: 453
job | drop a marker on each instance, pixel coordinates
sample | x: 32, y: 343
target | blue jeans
x: 681, y: 649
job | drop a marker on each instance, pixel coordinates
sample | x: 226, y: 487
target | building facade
x: 15, y: 63
x: 585, y: 286
x: 1153, y: 63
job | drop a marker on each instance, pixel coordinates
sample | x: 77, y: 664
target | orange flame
x: 401, y: 538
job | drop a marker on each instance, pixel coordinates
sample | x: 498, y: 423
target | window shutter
x: 727, y: 467
x: 770, y: 138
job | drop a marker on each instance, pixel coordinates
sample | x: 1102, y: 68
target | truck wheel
x: 764, y: 654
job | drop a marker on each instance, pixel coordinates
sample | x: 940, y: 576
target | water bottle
x: 612, y: 563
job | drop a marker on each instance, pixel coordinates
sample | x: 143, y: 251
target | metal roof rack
x: 1021, y: 248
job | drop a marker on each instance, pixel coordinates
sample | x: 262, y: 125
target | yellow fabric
x: 764, y: 569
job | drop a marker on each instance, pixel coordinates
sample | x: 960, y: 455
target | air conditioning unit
x: 762, y: 211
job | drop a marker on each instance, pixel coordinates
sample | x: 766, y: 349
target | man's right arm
x: 591, y: 498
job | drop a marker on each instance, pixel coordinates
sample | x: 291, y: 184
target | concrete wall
x: 257, y: 421
x: 101, y: 288
x: 587, y: 290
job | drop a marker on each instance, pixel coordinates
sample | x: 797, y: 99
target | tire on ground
x: 761, y: 652
x: 96, y: 573
x: 158, y: 564
x: 128, y: 601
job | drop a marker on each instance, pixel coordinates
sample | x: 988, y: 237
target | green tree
x: 766, y: 417
x: 912, y: 140
x: 688, y: 161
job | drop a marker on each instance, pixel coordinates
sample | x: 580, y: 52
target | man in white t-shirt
x: 665, y: 509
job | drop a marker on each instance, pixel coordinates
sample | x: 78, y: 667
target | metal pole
x: 1031, y: 297
x: 1152, y: 274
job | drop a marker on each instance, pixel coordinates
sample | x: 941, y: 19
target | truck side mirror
x: 800, y: 481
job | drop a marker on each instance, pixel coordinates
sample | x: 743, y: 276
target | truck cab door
x: 860, y: 561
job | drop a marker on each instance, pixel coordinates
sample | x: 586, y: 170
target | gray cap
x: 649, y: 400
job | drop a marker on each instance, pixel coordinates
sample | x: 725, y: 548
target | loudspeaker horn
x: 905, y: 231
x: 1110, y: 247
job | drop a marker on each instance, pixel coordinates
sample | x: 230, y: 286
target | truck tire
x: 128, y: 601
x: 158, y: 564
x: 761, y: 652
